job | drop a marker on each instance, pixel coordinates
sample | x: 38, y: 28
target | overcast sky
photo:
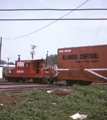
x: 58, y: 35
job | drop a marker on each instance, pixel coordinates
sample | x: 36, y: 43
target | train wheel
x: 9, y: 79
x: 16, y: 80
x: 44, y: 80
x: 38, y: 80
x: 81, y: 82
x: 69, y: 82
x: 88, y: 82
x: 34, y: 80
x: 23, y: 80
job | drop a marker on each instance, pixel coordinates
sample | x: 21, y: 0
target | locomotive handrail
x: 41, y: 71
x: 6, y: 73
x: 45, y: 71
x: 52, y: 79
x: 67, y: 69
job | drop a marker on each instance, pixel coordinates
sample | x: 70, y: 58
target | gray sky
x: 58, y: 35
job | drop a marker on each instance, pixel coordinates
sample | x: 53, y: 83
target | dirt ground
x: 6, y: 100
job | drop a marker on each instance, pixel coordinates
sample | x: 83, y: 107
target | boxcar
x: 83, y: 64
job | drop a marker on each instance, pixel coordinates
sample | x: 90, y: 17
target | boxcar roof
x: 83, y: 46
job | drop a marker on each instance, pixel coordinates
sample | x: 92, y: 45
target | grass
x: 40, y: 106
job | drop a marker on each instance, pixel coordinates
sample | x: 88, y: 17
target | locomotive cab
x: 29, y: 67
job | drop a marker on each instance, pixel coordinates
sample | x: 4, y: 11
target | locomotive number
x: 20, y: 71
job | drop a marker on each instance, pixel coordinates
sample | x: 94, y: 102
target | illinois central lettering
x: 67, y: 57
x: 81, y: 56
x: 89, y: 56
x: 20, y: 64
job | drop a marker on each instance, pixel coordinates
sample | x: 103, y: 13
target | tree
x: 11, y: 63
x: 3, y: 62
x: 51, y: 60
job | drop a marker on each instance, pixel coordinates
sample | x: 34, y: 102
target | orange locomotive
x: 30, y: 69
x: 83, y: 64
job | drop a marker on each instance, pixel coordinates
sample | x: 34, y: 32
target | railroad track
x: 17, y: 83
x: 20, y: 87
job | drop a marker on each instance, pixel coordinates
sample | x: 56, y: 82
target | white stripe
x: 67, y: 50
x: 60, y: 50
x: 96, y: 69
x: 62, y: 69
x: 91, y: 71
x: 64, y: 50
x: 97, y: 74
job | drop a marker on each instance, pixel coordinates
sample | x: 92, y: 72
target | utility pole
x: 33, y: 52
x: 46, y: 58
x: 0, y: 48
x: 8, y: 60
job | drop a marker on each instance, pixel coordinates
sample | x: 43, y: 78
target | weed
x: 39, y: 106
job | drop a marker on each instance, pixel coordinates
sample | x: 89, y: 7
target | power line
x: 49, y: 23
x: 52, y: 9
x: 53, y: 19
x: 9, y: 53
x: 99, y: 28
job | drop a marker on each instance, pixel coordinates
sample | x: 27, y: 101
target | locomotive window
x: 37, y: 71
x: 27, y: 65
x: 33, y: 65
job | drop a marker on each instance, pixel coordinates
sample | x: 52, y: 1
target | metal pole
x: 18, y: 57
x: 0, y: 48
x: 46, y: 58
x: 33, y: 47
x: 8, y: 60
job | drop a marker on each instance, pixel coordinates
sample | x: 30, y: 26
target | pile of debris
x: 60, y: 91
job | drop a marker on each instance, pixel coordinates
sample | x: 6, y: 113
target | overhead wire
x: 9, y: 53
x: 53, y: 19
x: 49, y: 23
x: 99, y: 27
x: 52, y: 9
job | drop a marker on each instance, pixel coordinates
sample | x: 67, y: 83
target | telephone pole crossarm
x: 33, y: 52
